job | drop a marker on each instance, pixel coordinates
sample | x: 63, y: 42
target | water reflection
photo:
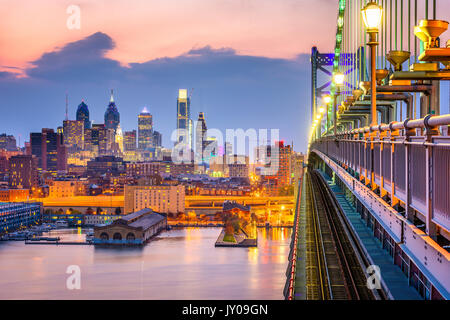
x: 178, y: 264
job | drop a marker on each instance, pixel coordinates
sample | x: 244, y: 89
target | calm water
x: 178, y: 264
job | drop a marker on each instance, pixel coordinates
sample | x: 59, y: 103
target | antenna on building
x: 67, y: 106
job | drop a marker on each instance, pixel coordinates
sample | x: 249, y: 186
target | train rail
x: 335, y: 268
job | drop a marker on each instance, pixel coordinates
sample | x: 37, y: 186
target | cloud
x: 207, y: 50
x: 78, y: 61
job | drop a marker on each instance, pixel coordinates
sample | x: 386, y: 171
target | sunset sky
x: 247, y: 60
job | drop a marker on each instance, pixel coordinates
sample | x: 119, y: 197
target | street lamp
x: 338, y: 79
x: 372, y: 14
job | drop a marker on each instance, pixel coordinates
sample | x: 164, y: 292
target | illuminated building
x: 161, y: 168
x: 23, y: 172
x: 130, y: 141
x: 14, y: 195
x: 145, y: 130
x: 67, y: 188
x: 83, y: 114
x: 73, y: 131
x: 184, y: 122
x: 161, y: 198
x: 7, y: 142
x: 118, y: 139
x: 132, y: 229
x: 112, y: 116
x: 48, y: 147
x: 18, y: 215
x: 99, y: 139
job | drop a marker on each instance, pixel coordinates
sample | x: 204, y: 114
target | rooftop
x: 147, y: 221
x: 229, y: 205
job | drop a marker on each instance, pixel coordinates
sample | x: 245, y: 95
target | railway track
x: 334, y: 271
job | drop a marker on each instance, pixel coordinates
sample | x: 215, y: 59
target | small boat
x: 61, y: 224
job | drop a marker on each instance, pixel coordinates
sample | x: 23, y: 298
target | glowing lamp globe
x: 372, y: 14
x: 339, y: 78
x: 327, y: 99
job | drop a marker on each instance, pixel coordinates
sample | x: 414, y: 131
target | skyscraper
x: 73, y: 131
x: 112, y: 116
x: 83, y: 114
x: 200, y: 137
x: 145, y: 130
x: 130, y: 140
x: 157, y: 139
x: 48, y: 147
x: 184, y: 122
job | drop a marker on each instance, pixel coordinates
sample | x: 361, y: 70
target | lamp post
x: 372, y: 14
x: 338, y: 79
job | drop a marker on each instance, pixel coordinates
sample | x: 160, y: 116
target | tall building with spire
x: 83, y: 114
x: 112, y: 116
x: 145, y: 130
x: 184, y: 122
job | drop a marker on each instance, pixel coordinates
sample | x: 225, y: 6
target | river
x: 177, y: 264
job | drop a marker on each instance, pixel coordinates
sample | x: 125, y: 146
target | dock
x: 241, y: 241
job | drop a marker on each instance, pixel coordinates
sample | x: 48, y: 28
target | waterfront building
x: 48, y: 147
x: 132, y: 229
x: 73, y: 131
x: 8, y: 142
x: 15, y: 215
x: 161, y: 198
x: 130, y: 140
x: 184, y: 122
x: 83, y: 114
x: 23, y: 172
x: 145, y: 130
x: 112, y: 115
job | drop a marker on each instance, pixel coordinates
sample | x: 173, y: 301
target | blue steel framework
x: 355, y: 63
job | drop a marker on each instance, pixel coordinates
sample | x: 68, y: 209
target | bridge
x: 372, y: 217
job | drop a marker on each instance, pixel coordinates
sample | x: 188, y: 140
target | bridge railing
x: 409, y: 163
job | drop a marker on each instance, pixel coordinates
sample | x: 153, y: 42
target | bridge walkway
x: 392, y: 276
